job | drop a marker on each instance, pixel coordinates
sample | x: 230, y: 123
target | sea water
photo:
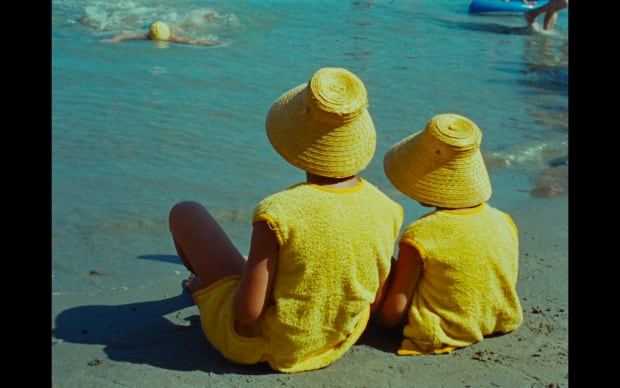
x: 139, y: 125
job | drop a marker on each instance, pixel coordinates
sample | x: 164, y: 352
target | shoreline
x: 151, y: 336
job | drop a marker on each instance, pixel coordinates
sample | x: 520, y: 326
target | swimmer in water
x: 160, y: 31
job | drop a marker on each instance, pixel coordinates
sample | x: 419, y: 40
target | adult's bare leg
x: 549, y: 20
x: 550, y: 10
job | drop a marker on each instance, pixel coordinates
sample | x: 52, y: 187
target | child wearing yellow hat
x: 320, y: 250
x: 160, y: 31
x: 455, y: 278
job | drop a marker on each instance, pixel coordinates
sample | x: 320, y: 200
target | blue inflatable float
x: 504, y: 6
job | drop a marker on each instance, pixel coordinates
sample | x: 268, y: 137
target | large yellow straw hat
x: 323, y: 126
x: 441, y: 165
x: 159, y: 31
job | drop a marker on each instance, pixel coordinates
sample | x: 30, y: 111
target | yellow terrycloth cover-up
x: 467, y: 289
x: 335, y: 250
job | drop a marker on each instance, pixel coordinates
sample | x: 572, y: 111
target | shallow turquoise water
x: 137, y: 126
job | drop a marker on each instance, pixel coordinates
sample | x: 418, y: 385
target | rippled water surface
x: 138, y: 126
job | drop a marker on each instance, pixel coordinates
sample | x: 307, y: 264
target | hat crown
x: 335, y: 96
x: 441, y: 165
x: 323, y: 125
x: 451, y: 135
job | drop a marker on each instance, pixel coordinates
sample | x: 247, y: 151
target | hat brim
x: 418, y: 170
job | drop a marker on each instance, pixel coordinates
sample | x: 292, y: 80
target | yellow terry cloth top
x: 467, y: 288
x: 335, y: 250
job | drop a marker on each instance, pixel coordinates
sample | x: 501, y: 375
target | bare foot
x: 193, y: 283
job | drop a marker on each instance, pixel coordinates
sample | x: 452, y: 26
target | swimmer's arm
x: 178, y: 39
x: 208, y: 42
x: 121, y: 37
x: 402, y: 286
x: 182, y: 40
x: 254, y: 291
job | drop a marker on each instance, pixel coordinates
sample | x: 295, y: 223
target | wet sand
x: 151, y: 337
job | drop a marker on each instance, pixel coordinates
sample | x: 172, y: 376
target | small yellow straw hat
x: 323, y: 126
x: 159, y: 31
x: 441, y: 165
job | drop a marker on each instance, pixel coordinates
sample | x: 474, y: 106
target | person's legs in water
x: 550, y: 10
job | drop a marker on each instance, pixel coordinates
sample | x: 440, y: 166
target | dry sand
x: 152, y: 337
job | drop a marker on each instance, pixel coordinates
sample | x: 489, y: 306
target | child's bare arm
x: 254, y: 291
x: 383, y: 288
x: 402, y: 286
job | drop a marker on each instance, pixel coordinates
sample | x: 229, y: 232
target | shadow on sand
x: 161, y: 333
x: 166, y: 334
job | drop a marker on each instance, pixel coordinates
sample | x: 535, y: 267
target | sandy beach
x: 140, y: 125
x: 151, y: 337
